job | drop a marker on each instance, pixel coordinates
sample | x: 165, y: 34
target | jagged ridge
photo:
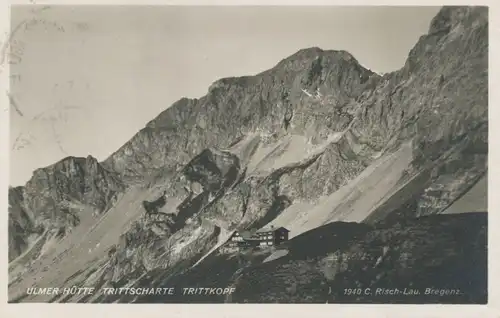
x: 356, y: 123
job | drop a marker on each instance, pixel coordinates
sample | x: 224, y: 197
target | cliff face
x: 438, y: 100
x: 235, y: 107
x: 21, y: 224
x: 314, y: 140
x: 57, y: 197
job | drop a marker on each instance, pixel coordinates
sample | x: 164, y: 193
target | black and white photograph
x: 167, y: 154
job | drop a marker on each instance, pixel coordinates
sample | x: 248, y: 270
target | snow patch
x: 306, y: 92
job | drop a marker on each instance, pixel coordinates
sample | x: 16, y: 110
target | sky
x: 85, y: 79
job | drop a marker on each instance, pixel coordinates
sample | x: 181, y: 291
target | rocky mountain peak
x: 58, y: 196
x: 316, y: 140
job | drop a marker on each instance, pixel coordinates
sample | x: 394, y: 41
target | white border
x: 236, y: 310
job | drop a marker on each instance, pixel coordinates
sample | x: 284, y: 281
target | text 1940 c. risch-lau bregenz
x: 400, y: 291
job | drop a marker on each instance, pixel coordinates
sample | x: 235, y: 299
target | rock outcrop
x: 57, y: 197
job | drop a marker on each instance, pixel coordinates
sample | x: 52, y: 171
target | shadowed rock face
x: 213, y: 169
x: 21, y: 224
x: 151, y: 207
x: 255, y: 147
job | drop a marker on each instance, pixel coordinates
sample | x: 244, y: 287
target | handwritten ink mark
x: 22, y: 141
x: 13, y: 103
x: 53, y: 116
x: 57, y: 137
x: 15, y: 77
x: 26, y: 23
